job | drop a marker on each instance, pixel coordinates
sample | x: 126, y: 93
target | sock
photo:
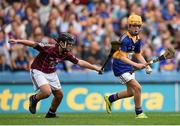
x: 34, y: 98
x: 138, y: 110
x: 51, y: 111
x: 113, y: 97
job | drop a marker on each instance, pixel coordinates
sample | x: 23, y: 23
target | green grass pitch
x: 89, y: 119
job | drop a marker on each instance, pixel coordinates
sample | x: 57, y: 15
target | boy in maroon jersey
x: 43, y: 72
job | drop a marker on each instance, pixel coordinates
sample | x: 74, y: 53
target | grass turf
x: 89, y: 119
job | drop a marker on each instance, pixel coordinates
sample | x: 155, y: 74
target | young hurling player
x: 122, y: 65
x: 43, y: 72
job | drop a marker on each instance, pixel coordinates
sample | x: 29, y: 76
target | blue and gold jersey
x: 129, y: 45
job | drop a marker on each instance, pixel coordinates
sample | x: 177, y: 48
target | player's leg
x: 114, y: 97
x: 39, y: 82
x: 45, y: 91
x: 136, y: 87
x: 58, y: 96
x: 122, y: 94
x: 57, y: 92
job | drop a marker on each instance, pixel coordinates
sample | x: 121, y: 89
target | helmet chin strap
x: 64, y: 48
x: 65, y: 45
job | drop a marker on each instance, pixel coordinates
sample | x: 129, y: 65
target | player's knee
x: 137, y: 89
x: 47, y: 93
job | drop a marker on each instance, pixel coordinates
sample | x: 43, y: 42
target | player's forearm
x: 128, y: 61
x: 27, y: 42
x: 85, y: 64
x: 24, y: 42
x: 141, y: 58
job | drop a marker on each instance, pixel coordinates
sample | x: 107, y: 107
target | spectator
x: 94, y: 54
x: 166, y: 65
x: 20, y: 62
x: 177, y: 47
x: 3, y: 65
x: 28, y: 21
x: 19, y: 8
x: 9, y: 16
x: 4, y: 49
x: 51, y: 28
x: 169, y: 12
x: 106, y: 48
x: 44, y: 10
x: 21, y: 26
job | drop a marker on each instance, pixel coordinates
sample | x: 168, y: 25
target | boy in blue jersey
x: 130, y: 44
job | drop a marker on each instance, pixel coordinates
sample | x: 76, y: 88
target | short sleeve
x: 41, y: 47
x: 71, y: 58
x: 123, y: 43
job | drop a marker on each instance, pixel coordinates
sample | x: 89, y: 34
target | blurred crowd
x: 95, y: 23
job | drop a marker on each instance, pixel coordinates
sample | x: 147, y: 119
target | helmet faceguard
x: 65, y: 41
x: 134, y: 24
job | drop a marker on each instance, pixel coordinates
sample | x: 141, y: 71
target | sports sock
x: 113, y: 97
x: 51, y: 111
x: 34, y: 98
x: 138, y: 110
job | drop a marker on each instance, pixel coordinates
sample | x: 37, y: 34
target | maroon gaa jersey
x: 49, y: 57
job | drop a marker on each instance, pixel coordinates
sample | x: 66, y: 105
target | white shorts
x: 39, y: 78
x: 126, y: 77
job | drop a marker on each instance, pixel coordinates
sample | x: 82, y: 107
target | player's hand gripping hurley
x: 168, y: 54
x: 114, y: 47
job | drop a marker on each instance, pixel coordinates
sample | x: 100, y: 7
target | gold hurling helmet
x: 134, y: 20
